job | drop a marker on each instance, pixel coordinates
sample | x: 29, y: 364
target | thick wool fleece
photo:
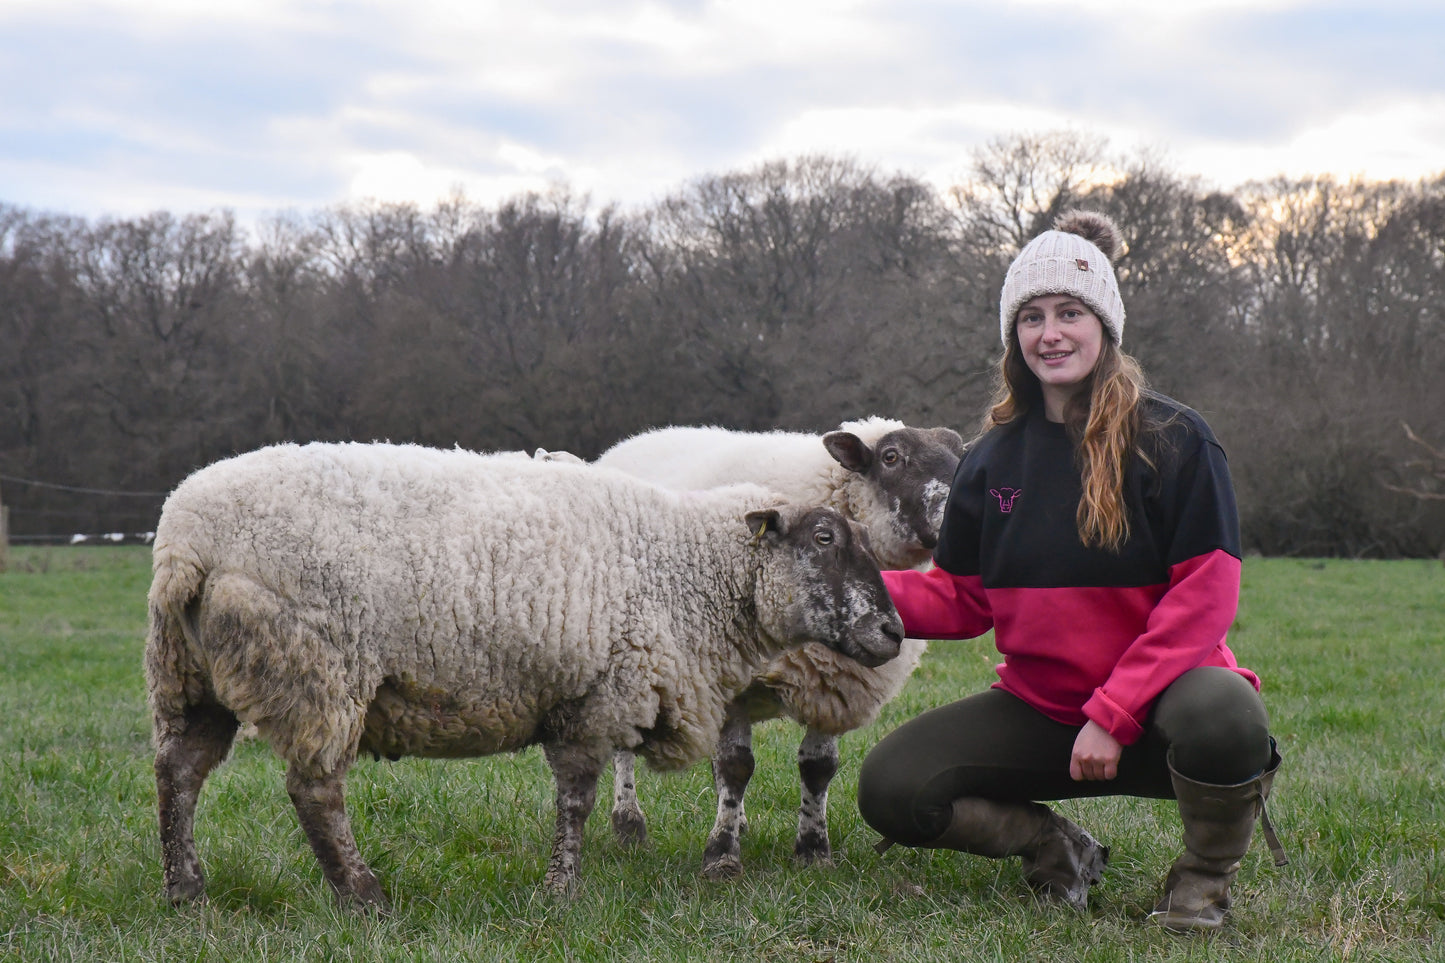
x: 817, y: 686
x: 405, y: 579
x: 794, y: 464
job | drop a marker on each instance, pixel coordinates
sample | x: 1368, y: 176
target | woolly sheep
x: 891, y: 478
x: 409, y: 601
x: 542, y: 454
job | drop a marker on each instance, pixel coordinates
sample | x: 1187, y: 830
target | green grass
x: 1351, y: 654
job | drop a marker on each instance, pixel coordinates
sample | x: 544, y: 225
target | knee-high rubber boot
x: 1060, y: 860
x: 1218, y: 826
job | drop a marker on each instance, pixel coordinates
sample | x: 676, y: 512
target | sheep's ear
x: 848, y: 450
x: 764, y: 520
x: 949, y: 439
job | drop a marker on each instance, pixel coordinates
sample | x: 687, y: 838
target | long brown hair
x: 1102, y: 419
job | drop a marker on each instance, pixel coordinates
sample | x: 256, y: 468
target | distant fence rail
x: 53, y: 486
x: 43, y: 512
x: 107, y: 538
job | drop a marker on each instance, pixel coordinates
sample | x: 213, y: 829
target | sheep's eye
x: 823, y: 537
x: 890, y: 456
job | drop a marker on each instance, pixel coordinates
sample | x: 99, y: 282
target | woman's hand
x: 1096, y: 754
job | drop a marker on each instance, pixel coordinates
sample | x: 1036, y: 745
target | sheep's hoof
x: 813, y: 850
x: 191, y: 889
x: 365, y: 898
x: 721, y: 859
x: 630, y: 826
x: 724, y: 867
x: 821, y: 860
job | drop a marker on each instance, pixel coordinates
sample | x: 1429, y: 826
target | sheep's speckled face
x: 830, y: 591
x: 907, y: 474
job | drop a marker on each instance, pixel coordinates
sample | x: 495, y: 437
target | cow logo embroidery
x: 1005, y: 498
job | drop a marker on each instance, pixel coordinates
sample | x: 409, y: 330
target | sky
x: 117, y: 108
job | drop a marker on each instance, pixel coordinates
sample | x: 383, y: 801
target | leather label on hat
x: 1082, y: 264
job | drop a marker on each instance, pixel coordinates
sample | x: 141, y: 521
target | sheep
x: 542, y: 454
x: 401, y: 600
x: 891, y: 478
x: 248, y: 731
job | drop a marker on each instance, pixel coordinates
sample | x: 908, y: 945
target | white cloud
x: 545, y: 50
x: 169, y: 14
x: 397, y: 176
x: 1156, y: 10
x: 302, y: 103
x: 1394, y: 141
x: 930, y: 141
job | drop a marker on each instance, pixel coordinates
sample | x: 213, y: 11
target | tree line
x: 1304, y: 317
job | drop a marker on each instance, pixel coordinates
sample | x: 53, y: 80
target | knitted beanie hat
x: 1074, y: 258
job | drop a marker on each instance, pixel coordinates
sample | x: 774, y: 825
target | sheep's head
x: 900, y: 488
x: 821, y: 584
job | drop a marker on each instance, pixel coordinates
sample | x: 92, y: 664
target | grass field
x: 1351, y: 653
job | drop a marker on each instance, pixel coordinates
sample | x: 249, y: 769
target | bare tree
x: 1305, y: 317
x: 155, y: 292
x: 1182, y: 288
x: 283, y: 348
x: 1428, y: 465
x: 805, y: 292
x: 35, y: 283
x: 1017, y: 186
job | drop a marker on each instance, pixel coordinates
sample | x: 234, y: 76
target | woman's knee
x: 907, y: 783
x: 887, y: 792
x: 1216, y: 726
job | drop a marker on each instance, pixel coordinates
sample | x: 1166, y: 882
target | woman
x: 1092, y: 526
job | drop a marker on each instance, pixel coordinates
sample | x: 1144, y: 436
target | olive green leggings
x: 995, y: 745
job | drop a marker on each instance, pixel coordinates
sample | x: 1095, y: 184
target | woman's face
x: 1060, y: 340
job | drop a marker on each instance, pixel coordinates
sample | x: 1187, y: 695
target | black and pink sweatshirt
x: 1086, y: 633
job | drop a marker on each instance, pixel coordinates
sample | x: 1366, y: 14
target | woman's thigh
x: 993, y: 744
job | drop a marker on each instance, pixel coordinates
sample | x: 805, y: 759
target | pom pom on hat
x: 1095, y: 228
x: 1074, y: 258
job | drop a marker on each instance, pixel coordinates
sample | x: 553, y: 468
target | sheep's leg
x: 188, y: 747
x: 576, y: 770
x: 732, y: 768
x: 628, y: 822
x: 817, y: 764
x: 320, y: 802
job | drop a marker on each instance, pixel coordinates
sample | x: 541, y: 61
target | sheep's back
x: 792, y: 464
x: 441, y: 568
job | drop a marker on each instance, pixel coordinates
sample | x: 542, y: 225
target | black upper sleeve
x: 1201, y: 499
